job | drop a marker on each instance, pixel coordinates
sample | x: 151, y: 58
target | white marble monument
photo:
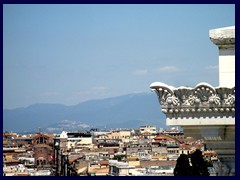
x: 206, y: 112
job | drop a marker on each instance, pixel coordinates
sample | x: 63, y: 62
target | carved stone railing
x: 202, y: 98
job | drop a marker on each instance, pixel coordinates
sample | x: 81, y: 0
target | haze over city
x: 68, y: 54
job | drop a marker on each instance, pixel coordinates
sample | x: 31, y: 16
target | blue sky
x: 68, y: 54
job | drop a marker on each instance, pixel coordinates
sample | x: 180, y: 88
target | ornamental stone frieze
x: 202, y: 98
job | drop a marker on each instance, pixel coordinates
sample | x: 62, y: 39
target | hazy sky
x: 68, y: 54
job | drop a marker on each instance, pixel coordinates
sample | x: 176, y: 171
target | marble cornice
x: 202, y: 98
x: 223, y: 37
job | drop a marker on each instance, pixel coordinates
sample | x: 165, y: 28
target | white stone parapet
x: 201, y: 101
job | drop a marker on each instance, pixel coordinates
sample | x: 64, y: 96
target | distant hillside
x: 128, y: 111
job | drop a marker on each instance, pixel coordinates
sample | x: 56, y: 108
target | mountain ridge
x: 129, y: 110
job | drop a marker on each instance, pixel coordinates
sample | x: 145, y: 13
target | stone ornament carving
x: 202, y: 98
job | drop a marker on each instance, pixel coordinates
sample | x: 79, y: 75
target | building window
x: 41, y: 140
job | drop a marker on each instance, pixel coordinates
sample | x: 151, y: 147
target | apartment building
x: 148, y: 129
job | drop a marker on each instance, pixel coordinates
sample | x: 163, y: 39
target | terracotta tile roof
x: 198, y: 146
x: 159, y: 157
x: 72, y: 160
x: 102, y: 170
x: 104, y: 163
x: 185, y: 146
x: 165, y: 136
x: 132, y: 157
x: 22, y: 174
x: 137, y: 166
x: 146, y: 133
x: 209, y: 153
x: 157, y: 163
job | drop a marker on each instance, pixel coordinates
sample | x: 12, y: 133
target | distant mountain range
x: 127, y: 111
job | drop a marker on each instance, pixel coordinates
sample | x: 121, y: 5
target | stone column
x: 224, y: 38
